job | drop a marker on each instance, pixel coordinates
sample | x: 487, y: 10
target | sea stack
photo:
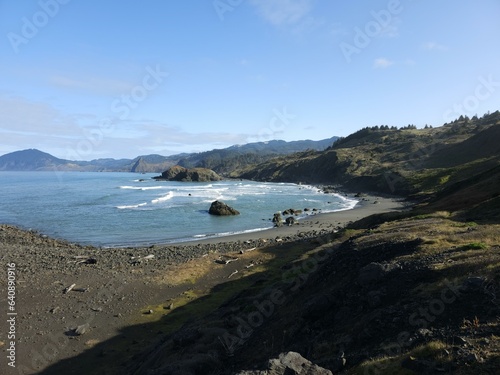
x: 221, y: 209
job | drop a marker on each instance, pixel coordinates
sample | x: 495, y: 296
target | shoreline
x: 309, y: 226
x: 117, y: 289
x: 366, y: 206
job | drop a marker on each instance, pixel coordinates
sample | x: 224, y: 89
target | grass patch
x: 443, y: 180
x: 469, y: 224
x: 421, y: 217
x: 475, y: 246
x: 405, y: 364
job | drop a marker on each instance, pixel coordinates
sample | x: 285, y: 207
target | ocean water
x: 129, y: 209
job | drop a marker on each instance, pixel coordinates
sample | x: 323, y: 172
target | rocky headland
x: 178, y: 173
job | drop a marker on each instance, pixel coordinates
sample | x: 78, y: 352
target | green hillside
x: 457, y: 159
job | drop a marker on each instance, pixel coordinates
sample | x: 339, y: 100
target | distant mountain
x: 224, y: 161
x: 29, y: 160
x: 220, y: 160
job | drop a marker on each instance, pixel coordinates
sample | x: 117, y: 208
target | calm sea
x: 128, y: 209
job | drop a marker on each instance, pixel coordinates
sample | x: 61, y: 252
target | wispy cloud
x: 27, y: 124
x: 21, y: 116
x: 433, y: 46
x: 91, y: 84
x: 283, y: 12
x: 382, y: 63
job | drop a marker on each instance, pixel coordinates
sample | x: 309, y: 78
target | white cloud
x: 283, y: 12
x: 382, y: 63
x: 433, y: 46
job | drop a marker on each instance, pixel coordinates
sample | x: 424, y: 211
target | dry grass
x: 190, y: 272
x: 432, y: 351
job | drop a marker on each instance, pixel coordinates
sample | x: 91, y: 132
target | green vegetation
x: 462, y: 155
x: 475, y: 246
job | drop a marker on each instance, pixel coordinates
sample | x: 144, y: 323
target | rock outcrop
x: 221, y: 209
x: 290, y: 363
x: 178, y: 173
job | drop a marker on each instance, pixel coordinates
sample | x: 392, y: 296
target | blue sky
x: 91, y: 79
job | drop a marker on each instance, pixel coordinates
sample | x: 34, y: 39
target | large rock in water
x: 221, y: 209
x: 178, y: 173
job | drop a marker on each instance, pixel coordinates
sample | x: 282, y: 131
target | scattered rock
x: 424, y: 332
x: 472, y: 358
x: 458, y: 340
x: 277, y: 220
x: 90, y: 261
x: 81, y: 330
x: 473, y: 284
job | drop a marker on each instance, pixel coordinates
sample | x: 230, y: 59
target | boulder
x: 290, y: 363
x: 221, y: 209
x: 290, y: 221
x: 277, y: 220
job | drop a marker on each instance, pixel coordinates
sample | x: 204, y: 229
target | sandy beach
x: 367, y: 205
x: 64, y: 289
